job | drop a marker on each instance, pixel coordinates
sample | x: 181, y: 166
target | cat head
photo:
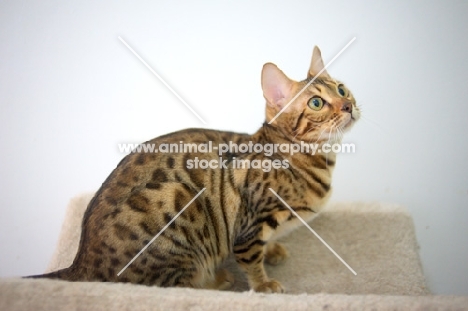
x: 321, y: 112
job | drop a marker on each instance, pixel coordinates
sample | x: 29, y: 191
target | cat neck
x: 315, y: 156
x: 271, y: 134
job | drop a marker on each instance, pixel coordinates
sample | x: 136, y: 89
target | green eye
x: 342, y: 90
x: 315, y: 103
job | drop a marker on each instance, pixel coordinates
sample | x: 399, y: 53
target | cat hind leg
x: 223, y: 280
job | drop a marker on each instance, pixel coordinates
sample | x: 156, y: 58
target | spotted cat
x: 235, y: 211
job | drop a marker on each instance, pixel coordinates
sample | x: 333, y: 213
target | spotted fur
x: 237, y: 213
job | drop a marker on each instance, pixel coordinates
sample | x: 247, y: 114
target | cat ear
x: 316, y: 65
x: 276, y: 86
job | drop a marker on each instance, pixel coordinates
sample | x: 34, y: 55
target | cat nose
x: 347, y: 107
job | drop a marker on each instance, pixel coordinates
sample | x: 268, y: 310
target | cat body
x: 236, y: 212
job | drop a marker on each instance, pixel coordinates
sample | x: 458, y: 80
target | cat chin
x: 348, y: 125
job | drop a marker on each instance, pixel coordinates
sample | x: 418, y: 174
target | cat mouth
x: 348, y: 123
x: 350, y: 120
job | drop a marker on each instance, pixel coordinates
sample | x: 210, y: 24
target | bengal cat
x: 236, y: 213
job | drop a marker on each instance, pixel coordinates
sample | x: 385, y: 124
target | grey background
x: 70, y: 91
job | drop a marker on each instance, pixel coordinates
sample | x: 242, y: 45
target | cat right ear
x: 316, y: 65
x: 276, y: 86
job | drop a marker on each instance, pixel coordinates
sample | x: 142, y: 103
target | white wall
x: 70, y: 91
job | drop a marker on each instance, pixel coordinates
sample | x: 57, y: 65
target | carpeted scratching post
x: 377, y: 240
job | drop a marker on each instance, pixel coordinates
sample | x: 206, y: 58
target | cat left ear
x: 316, y: 65
x: 276, y: 86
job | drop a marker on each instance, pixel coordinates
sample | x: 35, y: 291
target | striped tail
x: 68, y: 274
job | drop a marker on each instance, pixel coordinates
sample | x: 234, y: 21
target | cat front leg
x: 249, y: 254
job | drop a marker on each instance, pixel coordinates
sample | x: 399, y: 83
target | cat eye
x: 315, y: 103
x: 342, y: 90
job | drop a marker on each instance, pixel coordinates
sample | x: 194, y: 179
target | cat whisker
x: 326, y: 156
x: 340, y: 133
x: 310, y: 141
x: 331, y: 140
x: 320, y: 135
x: 337, y: 135
x: 329, y: 134
x: 371, y: 122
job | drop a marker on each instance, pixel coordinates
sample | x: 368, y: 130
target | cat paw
x: 270, y: 287
x: 224, y: 279
x: 275, y: 254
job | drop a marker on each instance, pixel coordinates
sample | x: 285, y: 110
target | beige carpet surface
x: 59, y: 295
x: 377, y: 240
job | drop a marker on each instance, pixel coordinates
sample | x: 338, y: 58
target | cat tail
x: 68, y: 274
